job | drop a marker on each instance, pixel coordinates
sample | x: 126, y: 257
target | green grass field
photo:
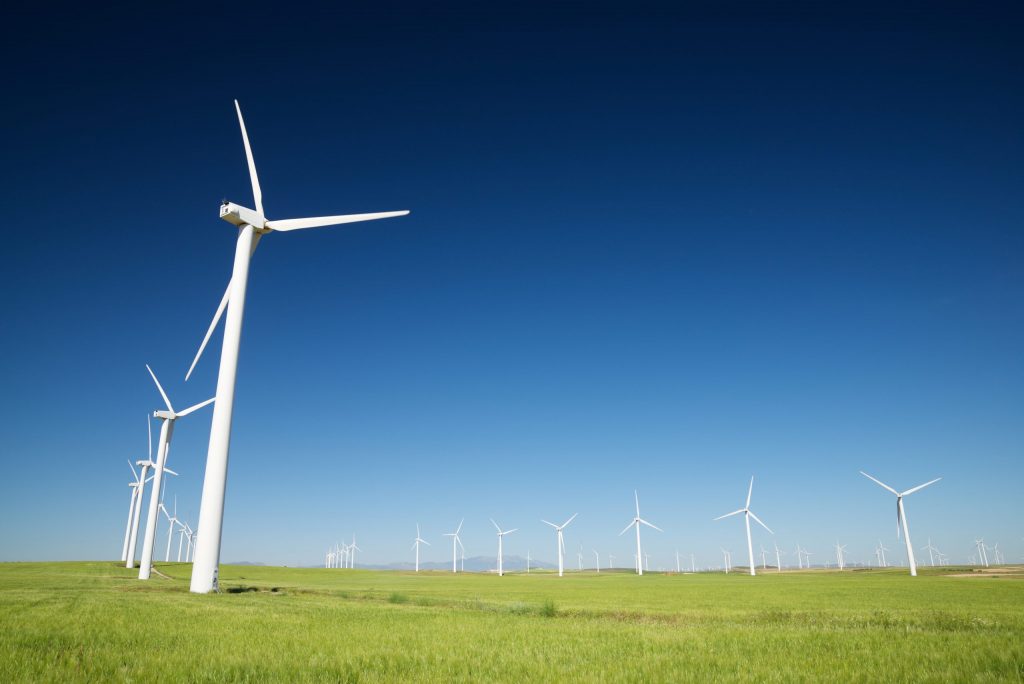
x: 94, y: 622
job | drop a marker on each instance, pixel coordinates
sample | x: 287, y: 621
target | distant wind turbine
x: 747, y: 515
x: 455, y: 544
x: 501, y: 536
x: 416, y: 545
x: 168, y: 419
x: 560, y: 540
x: 637, y: 522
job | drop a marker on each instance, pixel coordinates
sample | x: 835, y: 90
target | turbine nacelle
x: 241, y: 216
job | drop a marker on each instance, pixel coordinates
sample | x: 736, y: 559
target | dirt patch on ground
x: 1007, y: 571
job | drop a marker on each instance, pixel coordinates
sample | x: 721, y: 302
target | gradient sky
x: 651, y: 250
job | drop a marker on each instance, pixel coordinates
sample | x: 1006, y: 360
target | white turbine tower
x: 637, y: 522
x: 133, y: 504
x: 561, y: 540
x: 840, y: 556
x: 881, y: 552
x: 416, y: 545
x: 982, y: 553
x: 168, y: 418
x: 455, y: 545
x: 252, y: 225
x: 172, y: 520
x: 778, y: 558
x: 931, y: 551
x: 747, y: 515
x: 501, y: 536
x: 597, y: 562
x: 901, y: 516
x: 140, y: 492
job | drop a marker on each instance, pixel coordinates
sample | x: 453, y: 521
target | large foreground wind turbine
x: 166, y: 430
x: 901, y: 516
x: 501, y: 536
x: 561, y: 541
x: 636, y: 522
x: 747, y: 515
x: 252, y: 225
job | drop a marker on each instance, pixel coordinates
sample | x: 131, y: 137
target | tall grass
x: 95, y: 622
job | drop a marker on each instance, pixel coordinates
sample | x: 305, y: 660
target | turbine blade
x: 636, y: 497
x: 170, y: 472
x: 550, y: 523
x: 759, y: 522
x: 879, y: 482
x: 162, y: 393
x: 459, y: 528
x: 495, y: 525
x: 750, y: 491
x: 134, y: 471
x: 321, y: 221
x: 511, y: 531
x: 911, y: 491
x: 729, y: 514
x: 196, y: 407
x: 566, y: 523
x: 625, y: 530
x: 209, y: 331
x: 651, y: 525
x: 149, y: 427
x: 257, y: 194
x: 425, y: 542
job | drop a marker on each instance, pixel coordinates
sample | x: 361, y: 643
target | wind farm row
x: 202, y: 544
x: 343, y: 555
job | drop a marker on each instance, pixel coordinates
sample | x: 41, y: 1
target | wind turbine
x: 778, y: 558
x: 166, y: 430
x: 764, y: 555
x: 352, y: 553
x: 727, y: 561
x: 597, y: 562
x: 133, y: 539
x: 252, y: 225
x: 132, y: 505
x: 982, y: 554
x: 931, y: 551
x: 171, y: 522
x: 677, y: 561
x: 579, y: 558
x: 799, y: 557
x: 416, y: 545
x: 636, y: 522
x: 881, y: 551
x: 527, y: 561
x: 840, y: 557
x: 901, y: 516
x: 455, y: 544
x: 501, y: 535
x: 747, y: 515
x: 561, y: 541
x: 181, y: 537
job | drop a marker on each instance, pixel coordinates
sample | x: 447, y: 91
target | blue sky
x: 647, y: 249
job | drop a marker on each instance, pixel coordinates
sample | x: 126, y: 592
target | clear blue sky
x: 663, y: 251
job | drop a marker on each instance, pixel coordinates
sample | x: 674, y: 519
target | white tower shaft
x: 146, y: 564
x: 206, y: 561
